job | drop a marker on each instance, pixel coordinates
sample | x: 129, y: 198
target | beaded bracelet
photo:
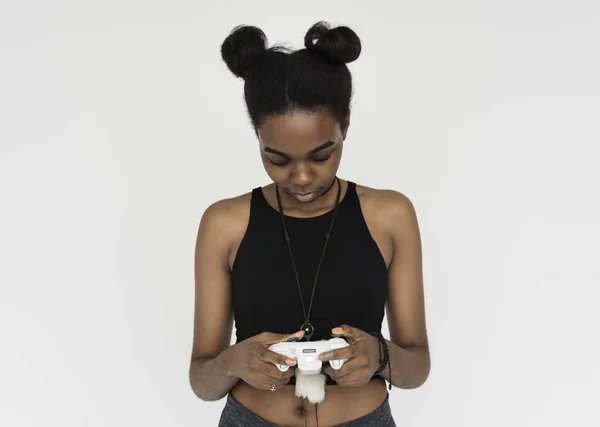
x: 385, y: 360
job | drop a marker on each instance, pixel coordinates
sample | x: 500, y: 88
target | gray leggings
x: 236, y: 415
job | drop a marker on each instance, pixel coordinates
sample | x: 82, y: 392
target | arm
x: 209, y: 372
x: 408, y: 346
x: 210, y: 377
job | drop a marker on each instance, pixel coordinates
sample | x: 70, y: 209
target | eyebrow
x: 311, y: 152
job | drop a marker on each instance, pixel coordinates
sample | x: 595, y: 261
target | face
x: 301, y: 152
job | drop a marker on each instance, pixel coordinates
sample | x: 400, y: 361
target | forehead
x: 298, y: 132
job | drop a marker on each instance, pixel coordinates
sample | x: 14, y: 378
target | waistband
x: 235, y: 414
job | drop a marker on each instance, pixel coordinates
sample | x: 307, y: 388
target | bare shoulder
x: 228, y: 212
x: 387, y: 206
x: 227, y: 219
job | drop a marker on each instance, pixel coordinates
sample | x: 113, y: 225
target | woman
x: 307, y: 256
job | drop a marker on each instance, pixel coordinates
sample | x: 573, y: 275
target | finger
x: 273, y: 371
x: 270, y: 338
x: 328, y: 370
x: 297, y: 336
x: 351, y: 334
x: 264, y: 372
x: 347, y: 368
x: 268, y: 356
x: 338, y: 354
x: 343, y: 379
x: 265, y: 382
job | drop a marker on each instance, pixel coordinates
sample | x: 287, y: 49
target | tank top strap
x: 352, y: 195
x: 257, y: 198
x: 352, y: 190
x: 353, y: 208
x: 259, y: 207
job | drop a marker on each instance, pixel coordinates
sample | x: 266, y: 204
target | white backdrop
x: 120, y: 124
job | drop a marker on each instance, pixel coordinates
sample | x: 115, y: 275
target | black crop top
x: 352, y: 284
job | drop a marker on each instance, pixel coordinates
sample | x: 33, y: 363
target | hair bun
x: 338, y: 45
x: 242, y: 47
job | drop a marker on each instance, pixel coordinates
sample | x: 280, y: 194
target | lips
x: 302, y: 193
x: 304, y: 197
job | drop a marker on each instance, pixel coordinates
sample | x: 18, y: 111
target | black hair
x: 279, y: 81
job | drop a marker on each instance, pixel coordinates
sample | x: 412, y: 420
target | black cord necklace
x: 307, y: 327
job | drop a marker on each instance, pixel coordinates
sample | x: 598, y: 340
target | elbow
x: 417, y: 375
x: 415, y: 381
x: 199, y: 386
x: 425, y: 370
x: 422, y: 379
x: 204, y: 393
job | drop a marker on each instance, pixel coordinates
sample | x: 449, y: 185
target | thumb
x: 351, y: 334
x: 277, y: 338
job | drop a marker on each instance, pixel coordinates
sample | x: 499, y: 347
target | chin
x: 307, y: 198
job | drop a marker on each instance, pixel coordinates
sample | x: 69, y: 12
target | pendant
x: 308, y: 330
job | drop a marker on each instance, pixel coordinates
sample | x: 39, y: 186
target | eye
x: 280, y: 163
x: 321, y: 159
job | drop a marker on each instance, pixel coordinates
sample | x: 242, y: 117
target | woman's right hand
x: 252, y: 361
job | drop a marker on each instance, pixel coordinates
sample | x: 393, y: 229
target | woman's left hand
x: 362, y: 355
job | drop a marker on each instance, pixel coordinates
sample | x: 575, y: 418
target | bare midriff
x: 341, y: 404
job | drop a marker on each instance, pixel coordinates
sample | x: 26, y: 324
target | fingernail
x: 324, y: 356
x: 337, y: 330
x: 290, y: 362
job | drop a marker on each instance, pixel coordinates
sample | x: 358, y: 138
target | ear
x: 345, y: 126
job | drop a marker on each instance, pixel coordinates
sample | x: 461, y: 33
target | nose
x: 301, y: 176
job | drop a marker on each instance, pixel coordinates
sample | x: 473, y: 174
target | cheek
x: 274, y: 177
x: 332, y: 164
x: 276, y: 174
x: 336, y: 159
